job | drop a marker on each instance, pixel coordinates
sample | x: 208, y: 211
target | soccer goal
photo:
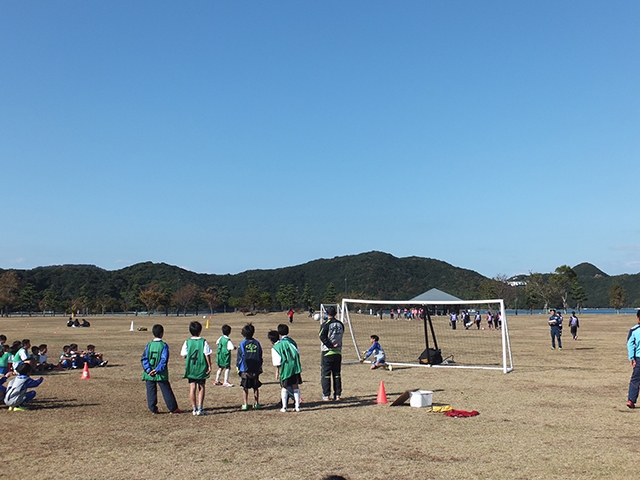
x: 407, y: 329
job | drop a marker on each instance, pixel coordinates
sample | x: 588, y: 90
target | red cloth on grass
x: 461, y: 413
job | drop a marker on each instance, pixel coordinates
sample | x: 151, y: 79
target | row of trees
x: 558, y: 289
x: 95, y: 292
x: 23, y: 296
x: 539, y: 290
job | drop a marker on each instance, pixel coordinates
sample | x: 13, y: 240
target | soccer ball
x: 316, y: 317
x: 483, y: 328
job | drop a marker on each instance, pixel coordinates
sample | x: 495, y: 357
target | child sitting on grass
x: 42, y: 359
x: 20, y: 353
x: 17, y: 395
x: 93, y: 358
x: 249, y: 363
x: 77, y: 360
x: 66, y: 361
x: 379, y: 359
x: 5, y: 356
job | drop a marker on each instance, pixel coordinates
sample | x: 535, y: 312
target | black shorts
x: 198, y: 381
x: 294, y: 379
x: 250, y: 380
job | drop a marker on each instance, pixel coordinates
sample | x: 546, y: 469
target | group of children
x: 71, y: 357
x: 21, y: 359
x: 493, y: 320
x: 198, y: 366
x: 17, y: 362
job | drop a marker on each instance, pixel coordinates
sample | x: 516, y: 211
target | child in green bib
x: 197, y: 353
x: 155, y: 363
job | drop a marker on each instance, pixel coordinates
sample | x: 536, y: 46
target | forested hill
x: 597, y: 285
x: 373, y: 275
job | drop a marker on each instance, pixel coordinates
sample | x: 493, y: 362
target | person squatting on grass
x: 249, y: 365
x: 3, y: 389
x: 197, y: 369
x: 17, y: 395
x: 633, y: 350
x: 555, y: 324
x: 286, y: 358
x: 223, y: 356
x: 379, y: 358
x: 155, y: 363
x: 331, y: 332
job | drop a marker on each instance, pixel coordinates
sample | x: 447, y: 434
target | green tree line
x: 158, y: 287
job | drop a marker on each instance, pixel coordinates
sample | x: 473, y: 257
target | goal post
x: 404, y: 335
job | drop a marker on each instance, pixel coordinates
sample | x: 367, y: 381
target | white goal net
x: 407, y: 328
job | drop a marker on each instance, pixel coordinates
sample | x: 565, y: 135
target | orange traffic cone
x: 382, y: 395
x: 85, y: 373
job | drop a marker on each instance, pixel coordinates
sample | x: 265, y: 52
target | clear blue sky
x: 498, y: 136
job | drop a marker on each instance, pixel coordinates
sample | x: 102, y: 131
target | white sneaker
x: 201, y: 413
x: 297, y: 409
x: 195, y: 412
x: 390, y: 368
x: 283, y: 410
x: 227, y: 384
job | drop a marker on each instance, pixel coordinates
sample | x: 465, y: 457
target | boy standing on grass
x: 197, y: 352
x: 249, y: 363
x: 286, y: 359
x: 155, y: 363
x: 223, y: 356
x: 283, y: 333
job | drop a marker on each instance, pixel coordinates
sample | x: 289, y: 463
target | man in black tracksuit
x: 331, y: 332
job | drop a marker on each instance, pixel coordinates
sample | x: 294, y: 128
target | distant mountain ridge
x: 588, y: 270
x: 372, y: 274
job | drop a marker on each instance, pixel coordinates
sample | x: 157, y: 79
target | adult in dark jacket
x: 331, y: 332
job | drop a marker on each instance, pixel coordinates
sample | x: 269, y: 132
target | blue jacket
x: 377, y: 351
x: 633, y: 342
x: 249, y: 357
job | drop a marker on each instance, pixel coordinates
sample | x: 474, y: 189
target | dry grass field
x: 560, y: 414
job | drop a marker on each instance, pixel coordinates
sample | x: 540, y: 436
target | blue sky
x: 498, y: 136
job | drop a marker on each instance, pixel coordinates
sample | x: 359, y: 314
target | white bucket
x: 421, y: 398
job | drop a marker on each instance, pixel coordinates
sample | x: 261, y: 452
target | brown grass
x: 560, y: 414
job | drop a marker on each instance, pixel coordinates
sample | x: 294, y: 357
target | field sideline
x: 560, y: 414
